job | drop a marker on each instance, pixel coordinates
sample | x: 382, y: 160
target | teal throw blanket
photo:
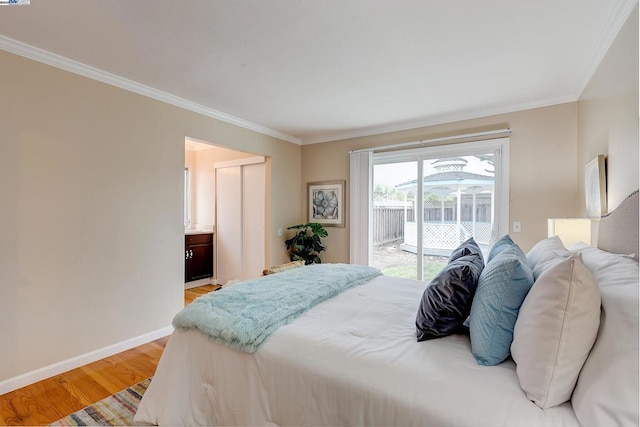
x: 244, y: 315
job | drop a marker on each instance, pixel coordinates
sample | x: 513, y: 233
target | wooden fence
x: 388, y: 225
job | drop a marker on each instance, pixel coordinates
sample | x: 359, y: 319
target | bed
x: 354, y: 360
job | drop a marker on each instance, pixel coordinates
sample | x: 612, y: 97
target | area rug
x: 116, y: 410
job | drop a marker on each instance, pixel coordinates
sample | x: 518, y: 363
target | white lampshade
x: 570, y: 230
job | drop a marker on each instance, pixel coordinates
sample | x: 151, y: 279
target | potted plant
x: 306, y: 244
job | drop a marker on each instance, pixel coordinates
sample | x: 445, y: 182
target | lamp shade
x: 570, y: 230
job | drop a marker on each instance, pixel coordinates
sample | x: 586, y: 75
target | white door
x: 240, y: 219
x: 228, y: 247
x: 253, y: 220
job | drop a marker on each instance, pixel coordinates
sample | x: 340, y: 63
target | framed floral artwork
x: 595, y: 187
x: 326, y: 202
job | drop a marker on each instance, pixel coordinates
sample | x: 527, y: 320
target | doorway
x: 203, y: 209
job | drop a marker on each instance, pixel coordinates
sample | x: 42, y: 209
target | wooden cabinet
x: 198, y: 252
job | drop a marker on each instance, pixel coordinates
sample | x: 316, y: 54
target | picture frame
x: 326, y: 203
x: 595, y: 187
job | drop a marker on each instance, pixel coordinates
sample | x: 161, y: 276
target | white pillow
x: 556, y: 328
x: 607, y: 389
x: 545, y: 254
x: 599, y: 259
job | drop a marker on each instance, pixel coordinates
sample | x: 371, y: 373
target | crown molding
x: 46, y: 57
x: 617, y: 19
x: 615, y: 23
x: 485, y: 112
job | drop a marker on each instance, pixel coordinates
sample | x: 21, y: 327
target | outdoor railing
x: 447, y: 235
x: 389, y: 226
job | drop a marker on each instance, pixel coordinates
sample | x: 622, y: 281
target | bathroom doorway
x: 216, y: 207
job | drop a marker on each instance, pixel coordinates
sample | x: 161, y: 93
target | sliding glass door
x: 426, y: 202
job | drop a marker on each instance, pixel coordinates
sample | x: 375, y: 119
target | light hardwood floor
x: 49, y: 400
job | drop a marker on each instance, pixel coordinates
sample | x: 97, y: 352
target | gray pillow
x: 446, y: 302
x: 468, y: 247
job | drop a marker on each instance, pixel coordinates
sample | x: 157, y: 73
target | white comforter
x: 352, y: 360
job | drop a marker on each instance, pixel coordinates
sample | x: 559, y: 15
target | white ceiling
x: 318, y: 70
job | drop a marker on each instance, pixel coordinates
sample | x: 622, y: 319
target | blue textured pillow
x: 503, y: 285
x: 503, y: 243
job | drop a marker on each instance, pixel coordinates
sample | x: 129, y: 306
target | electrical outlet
x: 517, y: 227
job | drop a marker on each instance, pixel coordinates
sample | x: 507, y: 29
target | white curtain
x: 360, y: 196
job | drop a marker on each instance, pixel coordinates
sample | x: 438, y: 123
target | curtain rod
x: 426, y: 142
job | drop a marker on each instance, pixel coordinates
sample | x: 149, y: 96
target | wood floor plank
x: 113, y: 375
x: 193, y: 293
x: 39, y: 404
x: 53, y: 398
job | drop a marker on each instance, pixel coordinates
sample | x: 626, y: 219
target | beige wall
x: 189, y: 159
x: 608, y: 117
x: 91, y: 230
x: 543, y: 167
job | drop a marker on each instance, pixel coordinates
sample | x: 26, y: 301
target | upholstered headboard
x: 618, y: 230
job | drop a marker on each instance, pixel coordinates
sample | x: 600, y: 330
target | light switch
x: 517, y: 227
x: 280, y: 232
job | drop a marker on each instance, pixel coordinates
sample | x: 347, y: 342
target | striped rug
x: 116, y: 410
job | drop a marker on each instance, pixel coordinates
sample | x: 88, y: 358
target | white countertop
x: 198, y: 231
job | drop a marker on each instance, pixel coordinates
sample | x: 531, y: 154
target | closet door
x: 229, y: 234
x: 240, y: 219
x: 253, y: 220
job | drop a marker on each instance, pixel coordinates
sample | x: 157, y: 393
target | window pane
x: 458, y: 203
x: 394, y: 219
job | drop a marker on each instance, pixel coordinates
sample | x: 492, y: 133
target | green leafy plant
x: 306, y: 244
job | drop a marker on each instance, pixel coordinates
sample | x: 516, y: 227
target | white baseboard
x: 40, y: 374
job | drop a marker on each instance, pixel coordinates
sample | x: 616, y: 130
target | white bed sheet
x: 352, y: 360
